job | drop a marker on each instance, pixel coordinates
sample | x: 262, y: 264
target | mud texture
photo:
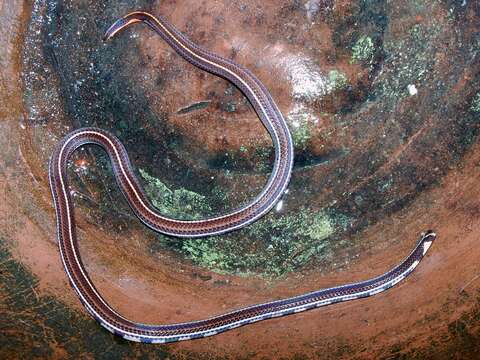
x: 383, y: 102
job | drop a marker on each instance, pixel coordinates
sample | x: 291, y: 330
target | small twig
x: 468, y: 283
x: 91, y: 199
x: 85, y: 196
x: 35, y: 293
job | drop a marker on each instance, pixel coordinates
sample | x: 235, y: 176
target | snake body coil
x: 272, y: 119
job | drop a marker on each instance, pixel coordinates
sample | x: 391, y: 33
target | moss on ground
x: 180, y: 203
x: 300, y: 123
x: 409, y: 60
x: 336, y: 80
x: 476, y: 104
x: 301, y: 135
x: 273, y: 246
x: 34, y: 326
x: 363, y: 50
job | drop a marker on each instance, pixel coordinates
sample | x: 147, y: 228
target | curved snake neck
x: 273, y: 121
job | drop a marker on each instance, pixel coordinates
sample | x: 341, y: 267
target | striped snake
x: 272, y: 119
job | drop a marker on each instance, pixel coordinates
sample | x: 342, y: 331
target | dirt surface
x: 376, y: 163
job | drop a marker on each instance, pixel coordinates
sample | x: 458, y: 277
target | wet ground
x: 383, y: 101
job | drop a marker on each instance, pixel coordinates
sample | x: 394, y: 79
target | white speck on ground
x: 412, y: 90
x: 279, y: 206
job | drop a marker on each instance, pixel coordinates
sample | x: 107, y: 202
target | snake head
x: 124, y: 22
x: 427, y: 239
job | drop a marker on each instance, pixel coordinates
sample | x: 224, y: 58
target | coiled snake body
x: 272, y: 119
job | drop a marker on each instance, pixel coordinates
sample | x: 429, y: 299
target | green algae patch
x: 300, y: 122
x: 180, y: 203
x: 321, y: 227
x: 271, y: 247
x: 363, y: 50
x: 301, y: 135
x: 336, y: 80
x: 476, y: 104
x: 204, y: 253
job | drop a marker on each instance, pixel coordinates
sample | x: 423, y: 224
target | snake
x: 272, y: 119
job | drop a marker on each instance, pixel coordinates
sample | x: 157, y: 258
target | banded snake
x: 272, y: 119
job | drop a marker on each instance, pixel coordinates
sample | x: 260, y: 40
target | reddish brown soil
x: 440, y: 290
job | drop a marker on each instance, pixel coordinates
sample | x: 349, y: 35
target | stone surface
x: 383, y: 102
